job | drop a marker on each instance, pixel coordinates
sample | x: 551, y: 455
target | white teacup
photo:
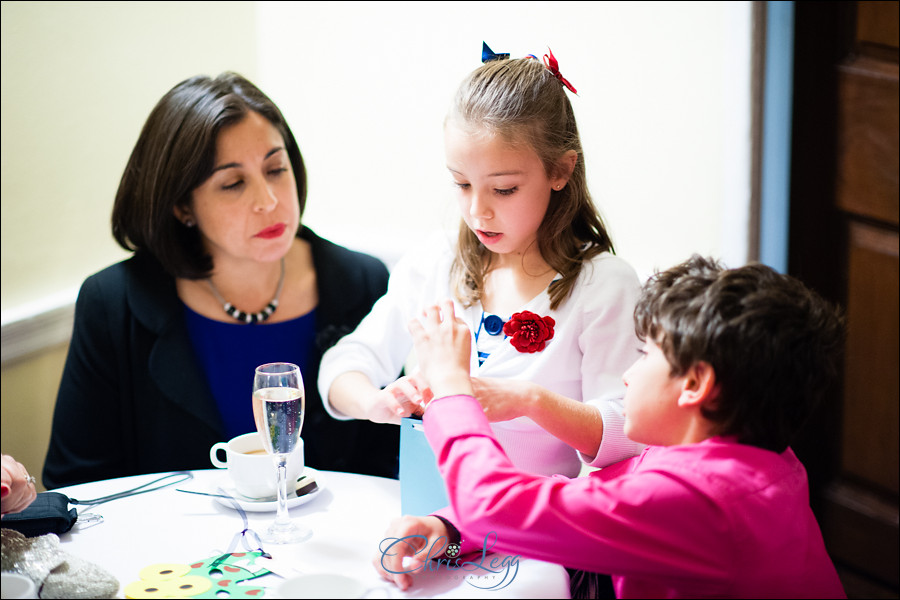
x: 251, y: 468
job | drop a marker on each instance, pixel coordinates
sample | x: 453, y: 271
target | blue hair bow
x: 487, y: 54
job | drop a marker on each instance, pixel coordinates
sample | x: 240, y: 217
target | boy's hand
x: 443, y: 350
x: 407, y: 544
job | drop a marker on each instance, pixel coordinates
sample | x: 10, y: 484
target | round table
x: 349, y: 515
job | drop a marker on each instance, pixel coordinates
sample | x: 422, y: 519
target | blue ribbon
x: 487, y: 54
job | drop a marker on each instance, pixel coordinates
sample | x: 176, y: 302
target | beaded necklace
x: 240, y: 315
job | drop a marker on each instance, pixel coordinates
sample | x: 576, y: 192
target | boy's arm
x: 631, y: 524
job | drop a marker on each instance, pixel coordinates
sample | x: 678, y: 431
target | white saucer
x: 266, y: 505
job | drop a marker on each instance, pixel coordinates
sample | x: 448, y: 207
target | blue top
x: 230, y: 352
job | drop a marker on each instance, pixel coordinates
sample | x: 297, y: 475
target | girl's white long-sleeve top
x: 593, y: 344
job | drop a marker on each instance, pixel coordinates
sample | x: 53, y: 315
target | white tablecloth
x: 348, y: 516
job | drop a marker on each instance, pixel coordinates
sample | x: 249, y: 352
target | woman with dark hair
x: 224, y: 278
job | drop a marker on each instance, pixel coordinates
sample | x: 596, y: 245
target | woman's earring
x: 189, y: 222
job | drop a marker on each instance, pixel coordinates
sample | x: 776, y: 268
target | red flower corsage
x: 529, y: 332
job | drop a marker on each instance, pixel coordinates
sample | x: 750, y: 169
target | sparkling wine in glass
x: 278, y: 407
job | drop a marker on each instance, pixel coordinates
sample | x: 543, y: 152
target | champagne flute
x: 278, y: 409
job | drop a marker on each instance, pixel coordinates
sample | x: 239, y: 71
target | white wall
x: 78, y: 81
x: 663, y: 108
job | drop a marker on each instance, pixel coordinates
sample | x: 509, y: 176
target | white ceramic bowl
x: 15, y: 585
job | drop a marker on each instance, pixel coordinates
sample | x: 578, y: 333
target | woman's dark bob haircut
x: 175, y: 154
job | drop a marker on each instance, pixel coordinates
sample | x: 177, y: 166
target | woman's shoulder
x: 342, y: 273
x: 137, y: 286
x: 330, y: 255
x: 117, y: 277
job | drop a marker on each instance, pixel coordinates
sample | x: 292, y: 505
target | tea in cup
x: 251, y: 468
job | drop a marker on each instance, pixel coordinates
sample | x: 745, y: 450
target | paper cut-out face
x: 204, y: 579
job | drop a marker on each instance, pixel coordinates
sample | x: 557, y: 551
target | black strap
x: 181, y: 475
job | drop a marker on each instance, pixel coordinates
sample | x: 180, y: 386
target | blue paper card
x: 422, y: 489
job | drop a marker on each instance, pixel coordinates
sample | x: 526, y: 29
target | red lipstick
x: 271, y: 232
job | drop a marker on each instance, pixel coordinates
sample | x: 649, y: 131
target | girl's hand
x: 505, y: 399
x: 443, y: 349
x: 407, y: 544
x: 406, y: 396
x: 354, y: 395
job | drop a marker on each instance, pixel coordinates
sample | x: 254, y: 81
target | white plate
x: 269, y: 505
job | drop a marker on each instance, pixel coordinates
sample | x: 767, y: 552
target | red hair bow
x: 553, y: 65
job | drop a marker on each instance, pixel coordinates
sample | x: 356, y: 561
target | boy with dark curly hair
x: 734, y: 360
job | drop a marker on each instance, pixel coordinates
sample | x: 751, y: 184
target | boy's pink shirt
x: 712, y: 519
